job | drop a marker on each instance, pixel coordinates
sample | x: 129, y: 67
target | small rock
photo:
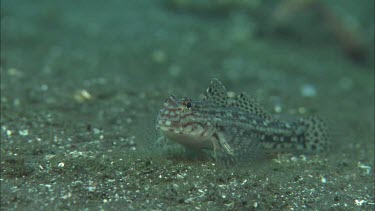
x: 308, y: 90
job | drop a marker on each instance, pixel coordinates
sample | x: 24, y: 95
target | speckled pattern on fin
x: 315, y: 132
x: 242, y: 149
x: 246, y: 103
x: 216, y: 93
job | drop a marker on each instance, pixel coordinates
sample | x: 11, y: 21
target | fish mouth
x: 167, y: 122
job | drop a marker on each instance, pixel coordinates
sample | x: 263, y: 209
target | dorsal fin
x: 216, y: 93
x: 246, y: 103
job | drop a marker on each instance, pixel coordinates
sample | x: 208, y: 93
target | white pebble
x: 9, y: 132
x: 278, y: 108
x: 23, y: 132
x: 308, y: 90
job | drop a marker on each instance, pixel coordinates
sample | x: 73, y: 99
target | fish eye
x: 188, y: 105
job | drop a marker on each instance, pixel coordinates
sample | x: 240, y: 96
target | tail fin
x: 315, y: 134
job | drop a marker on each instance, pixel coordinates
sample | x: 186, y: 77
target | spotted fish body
x: 235, y: 128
